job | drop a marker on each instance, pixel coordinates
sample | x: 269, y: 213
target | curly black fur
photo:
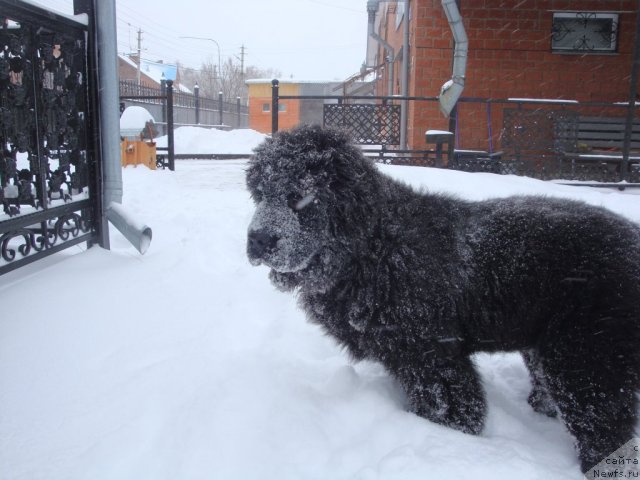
x: 420, y: 281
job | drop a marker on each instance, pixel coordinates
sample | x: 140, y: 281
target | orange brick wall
x: 260, y: 94
x: 509, y: 56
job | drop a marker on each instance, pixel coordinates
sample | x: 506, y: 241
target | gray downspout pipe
x: 405, y: 78
x: 452, y: 89
x: 372, y: 8
x: 139, y: 235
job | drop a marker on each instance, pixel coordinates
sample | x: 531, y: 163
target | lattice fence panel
x: 367, y: 124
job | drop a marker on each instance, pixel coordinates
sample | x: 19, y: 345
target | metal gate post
x: 108, y: 131
x: 163, y: 93
x: 169, y: 108
x: 626, y: 146
x: 196, y: 94
x: 238, y: 123
x: 94, y: 148
x: 220, y: 106
x: 274, y: 105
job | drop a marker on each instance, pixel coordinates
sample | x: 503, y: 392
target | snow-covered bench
x: 600, y: 136
x: 550, y: 142
x: 607, y: 132
x: 598, y: 142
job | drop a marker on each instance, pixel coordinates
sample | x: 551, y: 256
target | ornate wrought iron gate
x: 49, y: 152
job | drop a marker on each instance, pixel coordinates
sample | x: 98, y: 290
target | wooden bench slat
x: 613, y: 136
x: 605, y: 144
x: 568, y: 133
x: 618, y: 120
x: 610, y: 127
x: 605, y: 132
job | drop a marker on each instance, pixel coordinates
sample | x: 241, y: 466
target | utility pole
x: 242, y: 49
x: 213, y: 81
x: 139, y: 54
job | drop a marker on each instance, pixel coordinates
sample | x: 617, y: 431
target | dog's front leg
x: 446, y: 391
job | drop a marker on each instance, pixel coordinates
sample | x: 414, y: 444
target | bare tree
x: 231, y: 81
x: 188, y: 76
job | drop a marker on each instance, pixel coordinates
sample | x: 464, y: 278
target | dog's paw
x: 542, y: 402
x: 465, y: 412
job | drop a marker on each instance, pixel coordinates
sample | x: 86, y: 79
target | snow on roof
x: 128, y: 60
x: 153, y: 70
x: 159, y: 71
x: 184, y: 89
x: 82, y: 18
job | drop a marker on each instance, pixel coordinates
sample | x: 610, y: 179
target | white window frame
x: 584, y: 48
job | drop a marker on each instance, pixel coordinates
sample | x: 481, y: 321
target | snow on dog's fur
x: 420, y: 281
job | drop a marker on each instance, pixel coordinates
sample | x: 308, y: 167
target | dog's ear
x: 353, y: 183
x: 254, y: 172
x: 253, y: 175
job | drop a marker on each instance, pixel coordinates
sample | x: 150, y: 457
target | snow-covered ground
x: 204, y: 140
x: 185, y: 363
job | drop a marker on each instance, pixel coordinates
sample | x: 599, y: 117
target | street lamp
x: 218, y: 46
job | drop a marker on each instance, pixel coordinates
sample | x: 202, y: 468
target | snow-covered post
x: 170, y: 144
x: 163, y: 93
x: 220, y: 108
x: 274, y: 105
x: 238, y: 122
x: 196, y: 93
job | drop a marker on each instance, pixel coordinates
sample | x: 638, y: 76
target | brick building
x: 260, y: 105
x: 553, y: 49
x: 151, y: 73
x: 294, y: 112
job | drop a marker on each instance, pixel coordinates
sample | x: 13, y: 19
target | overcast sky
x: 303, y: 39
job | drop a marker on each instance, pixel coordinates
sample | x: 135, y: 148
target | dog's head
x: 304, y: 183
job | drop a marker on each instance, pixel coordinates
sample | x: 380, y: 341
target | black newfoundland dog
x: 420, y: 281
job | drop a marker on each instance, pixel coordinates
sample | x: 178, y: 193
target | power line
x: 361, y: 11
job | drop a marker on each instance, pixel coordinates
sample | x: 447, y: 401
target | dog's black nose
x: 260, y: 243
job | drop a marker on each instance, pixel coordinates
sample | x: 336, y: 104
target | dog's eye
x: 292, y: 200
x: 297, y: 203
x: 256, y: 196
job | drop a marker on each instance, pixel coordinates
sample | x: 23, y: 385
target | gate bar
x: 274, y: 105
x: 104, y: 12
x: 626, y: 146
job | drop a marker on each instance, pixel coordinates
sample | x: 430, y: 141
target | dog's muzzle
x: 259, y: 244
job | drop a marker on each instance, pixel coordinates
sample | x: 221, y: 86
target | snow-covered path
x: 185, y: 363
